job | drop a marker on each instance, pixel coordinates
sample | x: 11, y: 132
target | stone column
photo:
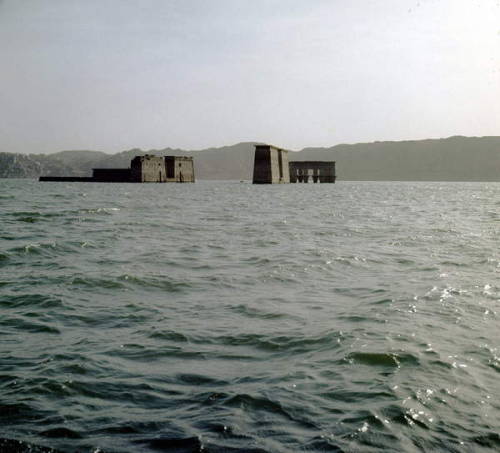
x: 315, y: 175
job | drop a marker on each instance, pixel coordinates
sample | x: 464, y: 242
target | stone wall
x: 148, y: 169
x: 179, y: 169
x: 111, y: 174
x: 184, y: 169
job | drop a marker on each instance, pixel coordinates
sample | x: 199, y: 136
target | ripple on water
x: 20, y: 324
x: 26, y: 300
x: 392, y: 360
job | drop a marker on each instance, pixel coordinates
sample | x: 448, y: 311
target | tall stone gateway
x: 271, y: 165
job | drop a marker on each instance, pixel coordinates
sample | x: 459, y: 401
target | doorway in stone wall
x: 280, y: 163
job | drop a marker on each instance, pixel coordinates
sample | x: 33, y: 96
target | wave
x: 391, y: 360
x: 19, y: 446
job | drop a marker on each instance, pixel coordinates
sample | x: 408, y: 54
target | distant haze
x: 117, y: 74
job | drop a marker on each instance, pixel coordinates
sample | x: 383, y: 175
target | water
x: 227, y: 317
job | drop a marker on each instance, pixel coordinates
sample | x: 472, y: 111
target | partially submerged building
x: 318, y: 171
x: 161, y: 169
x: 271, y: 166
x: 146, y: 168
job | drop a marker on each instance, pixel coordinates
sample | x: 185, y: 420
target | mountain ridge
x: 455, y: 158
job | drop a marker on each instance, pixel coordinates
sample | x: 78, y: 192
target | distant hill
x: 81, y: 162
x: 31, y: 166
x: 450, y: 159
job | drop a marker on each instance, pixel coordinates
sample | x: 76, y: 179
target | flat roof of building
x: 314, y: 162
x: 264, y: 145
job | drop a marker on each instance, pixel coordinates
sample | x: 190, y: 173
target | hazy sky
x: 118, y: 74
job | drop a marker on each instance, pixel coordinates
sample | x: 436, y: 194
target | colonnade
x: 319, y: 172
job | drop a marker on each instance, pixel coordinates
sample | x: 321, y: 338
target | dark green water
x: 226, y: 317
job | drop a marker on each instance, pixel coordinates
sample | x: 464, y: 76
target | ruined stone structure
x: 146, y: 168
x: 318, y: 171
x: 161, y: 169
x: 271, y: 165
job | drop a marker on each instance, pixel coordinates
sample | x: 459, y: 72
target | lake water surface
x: 228, y: 317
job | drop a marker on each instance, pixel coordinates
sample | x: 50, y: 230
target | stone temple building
x: 146, y: 168
x: 161, y: 169
x: 271, y: 166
